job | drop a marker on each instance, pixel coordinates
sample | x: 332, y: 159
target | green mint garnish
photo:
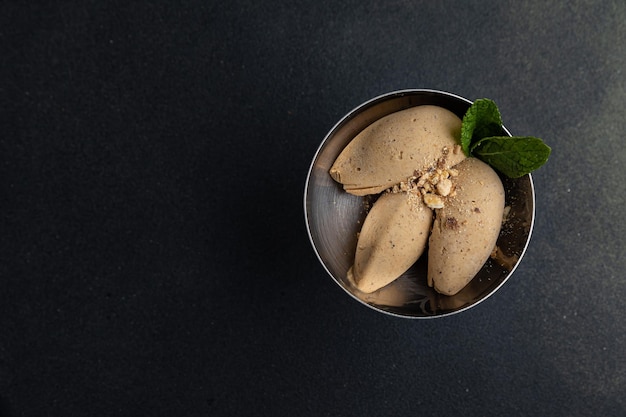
x: 513, y: 156
x: 482, y: 136
x: 481, y: 120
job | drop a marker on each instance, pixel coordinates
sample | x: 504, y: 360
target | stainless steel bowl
x: 334, y: 217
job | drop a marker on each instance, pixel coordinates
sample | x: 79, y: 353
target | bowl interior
x: 334, y: 218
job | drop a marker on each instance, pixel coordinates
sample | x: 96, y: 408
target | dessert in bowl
x: 354, y: 202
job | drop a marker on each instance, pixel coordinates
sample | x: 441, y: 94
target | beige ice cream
x: 415, y: 154
x: 466, y: 229
x: 393, y: 237
x: 394, y: 147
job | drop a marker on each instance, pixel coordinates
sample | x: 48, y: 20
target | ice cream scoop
x: 396, y: 146
x: 466, y: 229
x: 393, y: 237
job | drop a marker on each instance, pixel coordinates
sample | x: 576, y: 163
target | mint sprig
x: 513, y: 156
x: 482, y: 136
x: 481, y: 120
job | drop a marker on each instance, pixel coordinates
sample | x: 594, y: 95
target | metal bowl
x: 334, y: 217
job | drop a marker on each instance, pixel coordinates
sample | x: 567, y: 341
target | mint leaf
x: 513, y: 156
x: 484, y: 137
x: 481, y: 120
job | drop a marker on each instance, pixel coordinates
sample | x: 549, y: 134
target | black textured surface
x: 154, y: 258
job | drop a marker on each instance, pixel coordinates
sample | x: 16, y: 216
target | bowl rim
x: 352, y: 113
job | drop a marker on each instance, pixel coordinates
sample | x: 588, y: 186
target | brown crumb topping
x: 452, y: 223
x: 432, y: 184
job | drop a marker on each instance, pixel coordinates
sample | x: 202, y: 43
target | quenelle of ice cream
x: 433, y: 196
x: 393, y: 237
x: 466, y: 228
x: 394, y: 147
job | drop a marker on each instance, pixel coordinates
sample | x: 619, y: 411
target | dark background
x: 154, y: 258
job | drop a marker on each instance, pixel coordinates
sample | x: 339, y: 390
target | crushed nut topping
x: 433, y: 201
x: 444, y: 187
x: 432, y: 184
x: 452, y: 223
